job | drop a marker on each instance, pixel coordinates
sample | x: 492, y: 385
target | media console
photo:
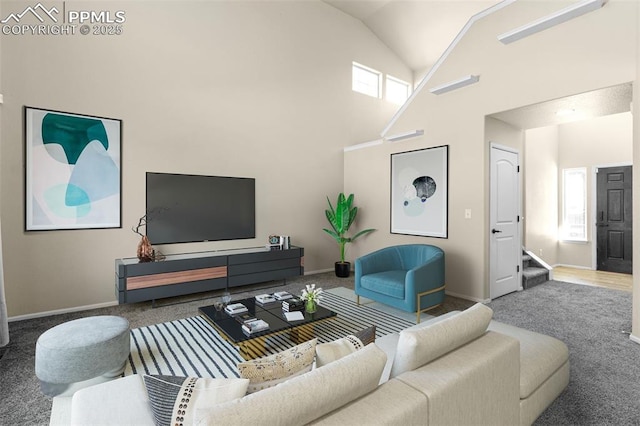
x: 181, y: 274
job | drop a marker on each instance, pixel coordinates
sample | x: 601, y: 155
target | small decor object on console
x: 274, y: 243
x: 274, y: 239
x: 145, y: 252
x: 311, y: 295
x: 279, y: 242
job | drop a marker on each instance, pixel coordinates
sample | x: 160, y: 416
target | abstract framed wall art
x: 73, y: 173
x: 419, y: 192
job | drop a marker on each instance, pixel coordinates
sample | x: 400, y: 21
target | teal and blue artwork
x: 73, y: 171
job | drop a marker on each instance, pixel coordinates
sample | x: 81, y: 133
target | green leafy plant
x: 341, y: 218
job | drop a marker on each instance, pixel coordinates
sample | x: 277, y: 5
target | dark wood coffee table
x: 252, y: 346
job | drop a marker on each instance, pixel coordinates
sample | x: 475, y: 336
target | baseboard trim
x: 61, y: 311
x: 565, y: 265
x: 465, y: 297
x: 319, y: 271
x: 101, y: 305
x: 634, y: 339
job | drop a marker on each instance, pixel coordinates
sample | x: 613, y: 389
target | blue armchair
x: 408, y: 277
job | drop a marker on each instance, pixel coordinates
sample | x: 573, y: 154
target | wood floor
x: 596, y: 278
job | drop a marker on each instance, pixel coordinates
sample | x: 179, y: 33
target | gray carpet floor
x: 605, y: 365
x: 22, y: 403
x: 604, y: 386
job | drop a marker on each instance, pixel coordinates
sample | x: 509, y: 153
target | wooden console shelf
x: 181, y: 274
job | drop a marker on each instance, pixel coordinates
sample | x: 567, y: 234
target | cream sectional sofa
x: 461, y: 368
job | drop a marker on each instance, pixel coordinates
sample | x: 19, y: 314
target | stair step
x: 532, y: 272
x: 526, y: 258
x: 533, y: 276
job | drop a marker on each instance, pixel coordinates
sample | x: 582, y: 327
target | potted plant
x: 340, y: 220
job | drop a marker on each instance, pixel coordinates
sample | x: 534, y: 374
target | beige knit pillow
x: 269, y: 371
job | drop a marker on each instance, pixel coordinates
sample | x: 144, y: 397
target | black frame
x: 443, y: 198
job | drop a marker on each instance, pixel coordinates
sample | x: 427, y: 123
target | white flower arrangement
x: 312, y: 293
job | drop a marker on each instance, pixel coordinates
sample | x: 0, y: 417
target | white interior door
x: 504, y: 232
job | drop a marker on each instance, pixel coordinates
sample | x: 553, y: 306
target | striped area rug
x: 192, y: 346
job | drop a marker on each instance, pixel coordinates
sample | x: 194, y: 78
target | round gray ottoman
x: 81, y: 350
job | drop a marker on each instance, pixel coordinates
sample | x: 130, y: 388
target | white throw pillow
x: 332, y: 351
x: 175, y: 399
x: 419, y: 346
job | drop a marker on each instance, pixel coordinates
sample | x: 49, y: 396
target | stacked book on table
x: 265, y: 299
x: 235, y: 309
x: 282, y: 295
x: 245, y: 318
x: 293, y: 304
x: 255, y: 326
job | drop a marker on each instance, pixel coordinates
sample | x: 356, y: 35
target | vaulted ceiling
x: 419, y: 31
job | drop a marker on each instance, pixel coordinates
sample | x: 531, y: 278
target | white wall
x: 254, y: 89
x: 586, y: 53
x: 541, y: 193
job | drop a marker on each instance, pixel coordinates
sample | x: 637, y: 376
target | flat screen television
x: 193, y: 208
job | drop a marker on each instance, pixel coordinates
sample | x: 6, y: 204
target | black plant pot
x: 343, y: 269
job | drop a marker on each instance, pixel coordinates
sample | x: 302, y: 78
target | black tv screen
x: 193, y: 208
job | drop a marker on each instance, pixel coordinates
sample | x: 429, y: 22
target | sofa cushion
x: 389, y: 283
x: 389, y: 342
x: 332, y: 351
x: 304, y: 398
x: 174, y: 399
x: 418, y: 346
x: 271, y: 370
x: 540, y: 356
x: 475, y: 384
x: 393, y: 403
x: 122, y: 401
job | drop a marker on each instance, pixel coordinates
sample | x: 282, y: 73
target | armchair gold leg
x: 419, y: 295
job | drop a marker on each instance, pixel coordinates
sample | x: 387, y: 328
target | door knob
x: 495, y: 231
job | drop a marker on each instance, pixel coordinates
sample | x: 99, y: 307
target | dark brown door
x: 613, y: 219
